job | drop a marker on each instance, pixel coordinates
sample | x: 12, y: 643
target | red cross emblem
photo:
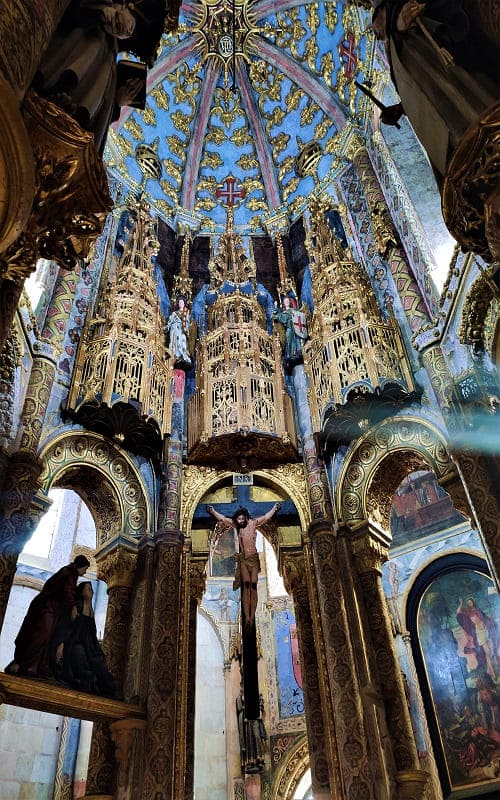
x: 299, y: 323
x: 229, y: 192
x: 347, y: 50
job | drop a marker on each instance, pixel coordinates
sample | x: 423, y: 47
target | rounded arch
x: 292, y: 769
x: 380, y: 460
x: 211, y: 620
x: 197, y: 481
x: 104, y: 477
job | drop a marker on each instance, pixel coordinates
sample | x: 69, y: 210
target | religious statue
x: 79, y: 71
x: 252, y: 735
x: 294, y: 323
x: 83, y: 664
x: 247, y: 560
x: 33, y: 651
x: 444, y: 68
x: 180, y: 326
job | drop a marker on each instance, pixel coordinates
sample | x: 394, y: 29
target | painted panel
x: 458, y: 627
x: 290, y: 695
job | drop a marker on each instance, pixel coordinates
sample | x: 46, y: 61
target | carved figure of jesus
x: 247, y: 560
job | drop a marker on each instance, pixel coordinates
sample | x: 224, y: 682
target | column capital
x: 117, y: 568
x: 169, y: 538
x: 197, y: 578
x: 370, y: 547
x: 319, y: 527
x: 411, y: 784
x: 122, y: 733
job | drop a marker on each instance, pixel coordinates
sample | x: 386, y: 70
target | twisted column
x: 295, y: 576
x: 370, y: 551
x: 387, y: 240
x: 347, y: 709
x: 117, y: 569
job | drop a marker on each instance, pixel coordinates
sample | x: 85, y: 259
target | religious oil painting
x: 459, y: 633
x: 222, y: 601
x: 420, y: 507
x: 291, y: 697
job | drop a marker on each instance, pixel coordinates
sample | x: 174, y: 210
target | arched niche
x: 378, y: 462
x: 104, y: 477
x: 453, y: 617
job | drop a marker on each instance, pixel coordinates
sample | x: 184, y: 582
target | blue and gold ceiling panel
x: 255, y: 91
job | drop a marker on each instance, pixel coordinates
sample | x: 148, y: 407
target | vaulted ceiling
x: 260, y: 93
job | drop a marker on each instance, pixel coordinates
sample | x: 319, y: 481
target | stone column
x: 370, y: 549
x: 128, y: 738
x: 481, y: 478
x: 387, y: 240
x: 352, y: 743
x: 116, y: 568
x: 139, y: 638
x: 295, y: 576
x: 434, y: 790
x: 197, y: 583
x: 160, y: 738
x: 18, y: 511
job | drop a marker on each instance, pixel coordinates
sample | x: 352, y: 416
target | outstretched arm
x: 220, y: 517
x: 267, y: 517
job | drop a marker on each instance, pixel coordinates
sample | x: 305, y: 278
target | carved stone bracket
x: 72, y: 197
x: 470, y: 192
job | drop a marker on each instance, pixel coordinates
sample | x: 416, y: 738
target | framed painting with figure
x: 458, y: 626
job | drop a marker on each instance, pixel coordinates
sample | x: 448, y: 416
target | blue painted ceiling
x: 249, y: 101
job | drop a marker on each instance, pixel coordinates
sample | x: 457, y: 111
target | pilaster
x: 370, y: 549
x: 295, y: 576
x: 161, y: 732
x: 346, y: 703
x: 197, y: 584
x: 116, y: 567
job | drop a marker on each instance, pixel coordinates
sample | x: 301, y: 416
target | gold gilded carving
x: 394, y: 438
x: 198, y: 480
x: 470, y: 189
x: 197, y: 579
x: 42, y: 696
x: 240, y: 403
x: 105, y: 477
x: 294, y: 574
x: 117, y: 569
x: 72, y: 197
x: 483, y: 293
x: 369, y: 553
x: 347, y: 322
x: 292, y: 770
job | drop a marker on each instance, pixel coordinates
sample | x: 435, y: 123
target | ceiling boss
x: 224, y: 29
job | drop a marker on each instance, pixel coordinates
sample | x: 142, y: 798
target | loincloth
x: 251, y: 562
